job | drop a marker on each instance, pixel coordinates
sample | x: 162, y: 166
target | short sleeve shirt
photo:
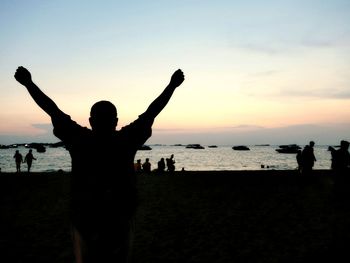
x: 102, y: 167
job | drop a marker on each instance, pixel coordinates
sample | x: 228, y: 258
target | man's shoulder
x: 143, y: 121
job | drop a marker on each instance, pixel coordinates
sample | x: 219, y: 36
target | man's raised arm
x: 24, y: 77
x: 162, y: 100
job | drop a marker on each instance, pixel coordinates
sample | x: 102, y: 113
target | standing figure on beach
x: 341, y: 165
x: 341, y: 173
x: 170, y: 162
x: 103, y: 176
x: 161, y: 165
x: 308, y: 158
x: 138, y: 166
x: 146, y: 166
x: 29, y: 159
x: 299, y: 161
x: 18, y: 159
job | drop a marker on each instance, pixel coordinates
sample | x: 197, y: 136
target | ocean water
x: 208, y: 159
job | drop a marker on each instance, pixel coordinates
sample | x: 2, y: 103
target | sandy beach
x: 234, y: 216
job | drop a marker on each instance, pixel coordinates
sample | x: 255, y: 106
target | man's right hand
x: 23, y: 76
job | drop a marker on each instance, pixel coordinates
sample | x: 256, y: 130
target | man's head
x: 312, y: 143
x: 103, y: 117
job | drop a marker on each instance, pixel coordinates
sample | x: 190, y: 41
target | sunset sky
x: 256, y: 71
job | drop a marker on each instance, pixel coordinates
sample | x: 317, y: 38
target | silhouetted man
x: 18, y: 159
x: 308, y: 158
x: 170, y: 162
x: 341, y: 169
x: 161, y: 165
x: 29, y: 159
x: 146, y: 166
x: 103, y: 177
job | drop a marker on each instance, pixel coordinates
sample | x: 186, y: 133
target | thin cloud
x: 324, y: 94
x: 263, y: 48
x: 317, y: 43
x: 169, y: 130
x: 341, y: 95
x: 340, y: 39
x: 43, y: 126
x: 287, y: 47
x: 247, y: 126
x: 260, y: 48
x: 266, y: 73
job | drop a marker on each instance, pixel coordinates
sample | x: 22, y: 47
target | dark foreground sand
x: 238, y: 216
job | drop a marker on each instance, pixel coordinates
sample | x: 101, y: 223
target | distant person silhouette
x: 299, y: 161
x: 308, y: 158
x: 332, y: 150
x: 161, y: 166
x: 29, y: 159
x: 18, y: 159
x: 341, y: 167
x: 103, y: 176
x: 170, y: 162
x: 138, y: 166
x: 146, y: 166
x: 341, y: 170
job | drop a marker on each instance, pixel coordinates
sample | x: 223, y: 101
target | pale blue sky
x: 266, y: 64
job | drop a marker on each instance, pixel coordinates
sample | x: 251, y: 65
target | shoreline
x: 192, y: 172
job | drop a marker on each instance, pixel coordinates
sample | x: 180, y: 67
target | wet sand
x: 234, y: 216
